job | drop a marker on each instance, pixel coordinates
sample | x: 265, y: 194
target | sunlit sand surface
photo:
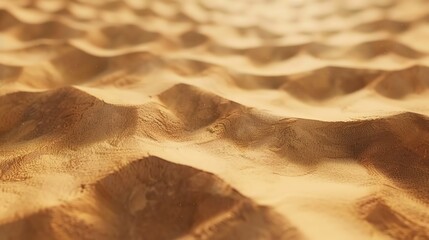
x: 214, y: 119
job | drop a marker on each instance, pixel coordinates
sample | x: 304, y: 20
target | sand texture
x: 214, y: 119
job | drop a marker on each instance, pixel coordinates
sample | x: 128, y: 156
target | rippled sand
x: 214, y: 119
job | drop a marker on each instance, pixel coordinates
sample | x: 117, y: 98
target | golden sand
x: 214, y: 119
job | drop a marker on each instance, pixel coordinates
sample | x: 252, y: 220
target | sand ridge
x: 204, y: 119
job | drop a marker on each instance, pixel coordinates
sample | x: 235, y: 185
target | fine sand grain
x: 214, y: 119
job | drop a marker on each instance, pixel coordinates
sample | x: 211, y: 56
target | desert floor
x: 214, y: 119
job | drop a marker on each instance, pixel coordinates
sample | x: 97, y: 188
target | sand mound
x: 158, y: 200
x: 128, y: 119
x: 76, y: 117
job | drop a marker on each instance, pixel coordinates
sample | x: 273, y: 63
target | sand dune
x: 219, y: 119
x: 154, y: 199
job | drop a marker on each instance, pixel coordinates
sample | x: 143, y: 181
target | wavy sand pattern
x: 201, y: 119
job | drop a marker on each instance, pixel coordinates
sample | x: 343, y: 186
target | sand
x: 217, y: 119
